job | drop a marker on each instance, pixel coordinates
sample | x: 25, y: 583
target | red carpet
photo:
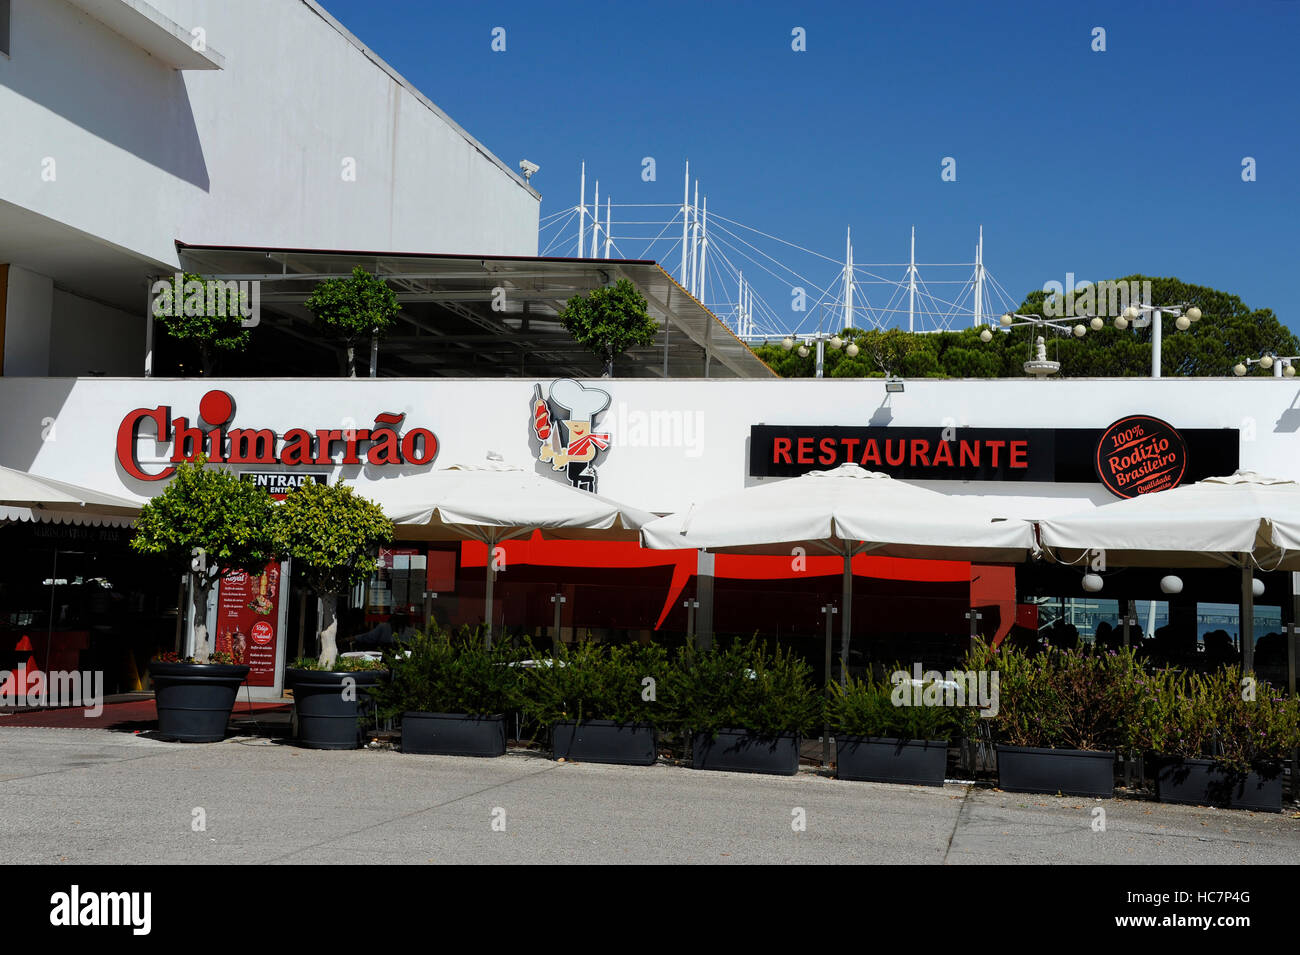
x: 133, y: 714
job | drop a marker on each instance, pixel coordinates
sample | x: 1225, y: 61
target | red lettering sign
x: 208, y: 434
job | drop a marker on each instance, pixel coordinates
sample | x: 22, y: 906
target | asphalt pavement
x: 94, y: 796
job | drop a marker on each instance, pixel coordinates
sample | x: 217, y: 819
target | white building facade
x: 130, y: 125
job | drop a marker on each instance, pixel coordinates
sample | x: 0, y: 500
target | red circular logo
x: 1140, y: 455
x: 216, y: 407
x: 262, y: 633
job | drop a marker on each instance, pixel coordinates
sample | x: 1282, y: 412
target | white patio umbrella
x: 848, y: 510
x: 498, y: 502
x: 18, y: 489
x: 1242, y: 520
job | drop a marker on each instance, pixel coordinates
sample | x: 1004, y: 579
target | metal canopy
x: 487, y: 316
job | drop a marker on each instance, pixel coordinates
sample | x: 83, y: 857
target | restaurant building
x: 128, y: 159
x: 1027, y: 448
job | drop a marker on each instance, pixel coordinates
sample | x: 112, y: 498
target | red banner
x: 248, y: 612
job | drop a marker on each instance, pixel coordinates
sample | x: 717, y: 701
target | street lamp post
x: 1139, y: 316
x: 821, y: 339
x: 1282, y: 366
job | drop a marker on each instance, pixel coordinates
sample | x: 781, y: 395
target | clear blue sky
x: 1096, y: 163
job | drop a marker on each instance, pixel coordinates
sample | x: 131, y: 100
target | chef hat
x: 582, y: 404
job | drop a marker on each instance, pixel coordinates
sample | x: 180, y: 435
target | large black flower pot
x: 604, y: 741
x: 1071, y: 772
x: 1202, y: 782
x: 744, y: 751
x: 918, y: 762
x: 194, y: 700
x: 328, y: 705
x: 453, y: 734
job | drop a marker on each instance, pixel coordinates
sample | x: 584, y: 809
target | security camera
x: 528, y: 168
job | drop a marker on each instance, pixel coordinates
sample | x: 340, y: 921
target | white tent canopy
x: 866, y: 510
x: 1244, y: 518
x: 848, y: 510
x: 28, y: 497
x: 498, y: 502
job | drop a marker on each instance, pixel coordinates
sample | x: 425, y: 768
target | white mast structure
x: 582, y: 210
x: 911, y: 285
x: 848, y: 277
x: 609, y: 235
x: 686, y: 223
x: 595, y: 222
x: 979, y: 280
x: 693, y: 273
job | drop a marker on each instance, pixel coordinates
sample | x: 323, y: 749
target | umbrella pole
x: 846, y: 619
x: 1247, y: 616
x: 829, y: 610
x: 487, y: 632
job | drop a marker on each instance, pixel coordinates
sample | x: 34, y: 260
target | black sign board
x: 1048, y: 455
x: 280, y: 483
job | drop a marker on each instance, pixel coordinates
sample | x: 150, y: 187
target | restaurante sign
x: 1135, y: 455
x: 381, y: 445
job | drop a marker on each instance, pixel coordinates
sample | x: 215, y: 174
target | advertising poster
x: 248, y: 612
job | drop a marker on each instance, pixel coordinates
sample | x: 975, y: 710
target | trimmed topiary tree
x: 208, y: 314
x: 209, y: 521
x: 352, y: 308
x: 332, y: 535
x: 609, y: 321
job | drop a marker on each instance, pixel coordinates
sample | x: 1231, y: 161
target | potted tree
x: 1062, y: 717
x: 332, y: 536
x: 1221, y: 740
x: 878, y: 740
x: 353, y: 308
x: 608, y: 321
x: 745, y: 708
x: 214, y: 325
x: 599, y: 701
x: 451, y: 693
x: 212, y: 524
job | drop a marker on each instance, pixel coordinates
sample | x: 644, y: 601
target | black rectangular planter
x: 453, y: 734
x: 1071, y: 772
x: 604, y: 741
x: 918, y: 762
x: 744, y: 751
x: 1201, y: 782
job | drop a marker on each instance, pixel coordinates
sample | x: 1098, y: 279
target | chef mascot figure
x: 576, y: 408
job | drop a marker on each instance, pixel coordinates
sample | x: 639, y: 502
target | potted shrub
x: 350, y: 309
x: 597, y: 703
x: 608, y: 321
x: 327, y: 701
x: 450, y: 693
x: 212, y: 524
x: 1221, y: 741
x: 878, y: 740
x: 1062, y: 716
x: 332, y: 536
x: 746, y: 709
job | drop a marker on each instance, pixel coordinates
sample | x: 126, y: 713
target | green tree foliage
x: 354, y: 308
x: 212, y: 511
x: 1229, y: 332
x: 608, y: 321
x: 332, y: 535
x: 213, y: 328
